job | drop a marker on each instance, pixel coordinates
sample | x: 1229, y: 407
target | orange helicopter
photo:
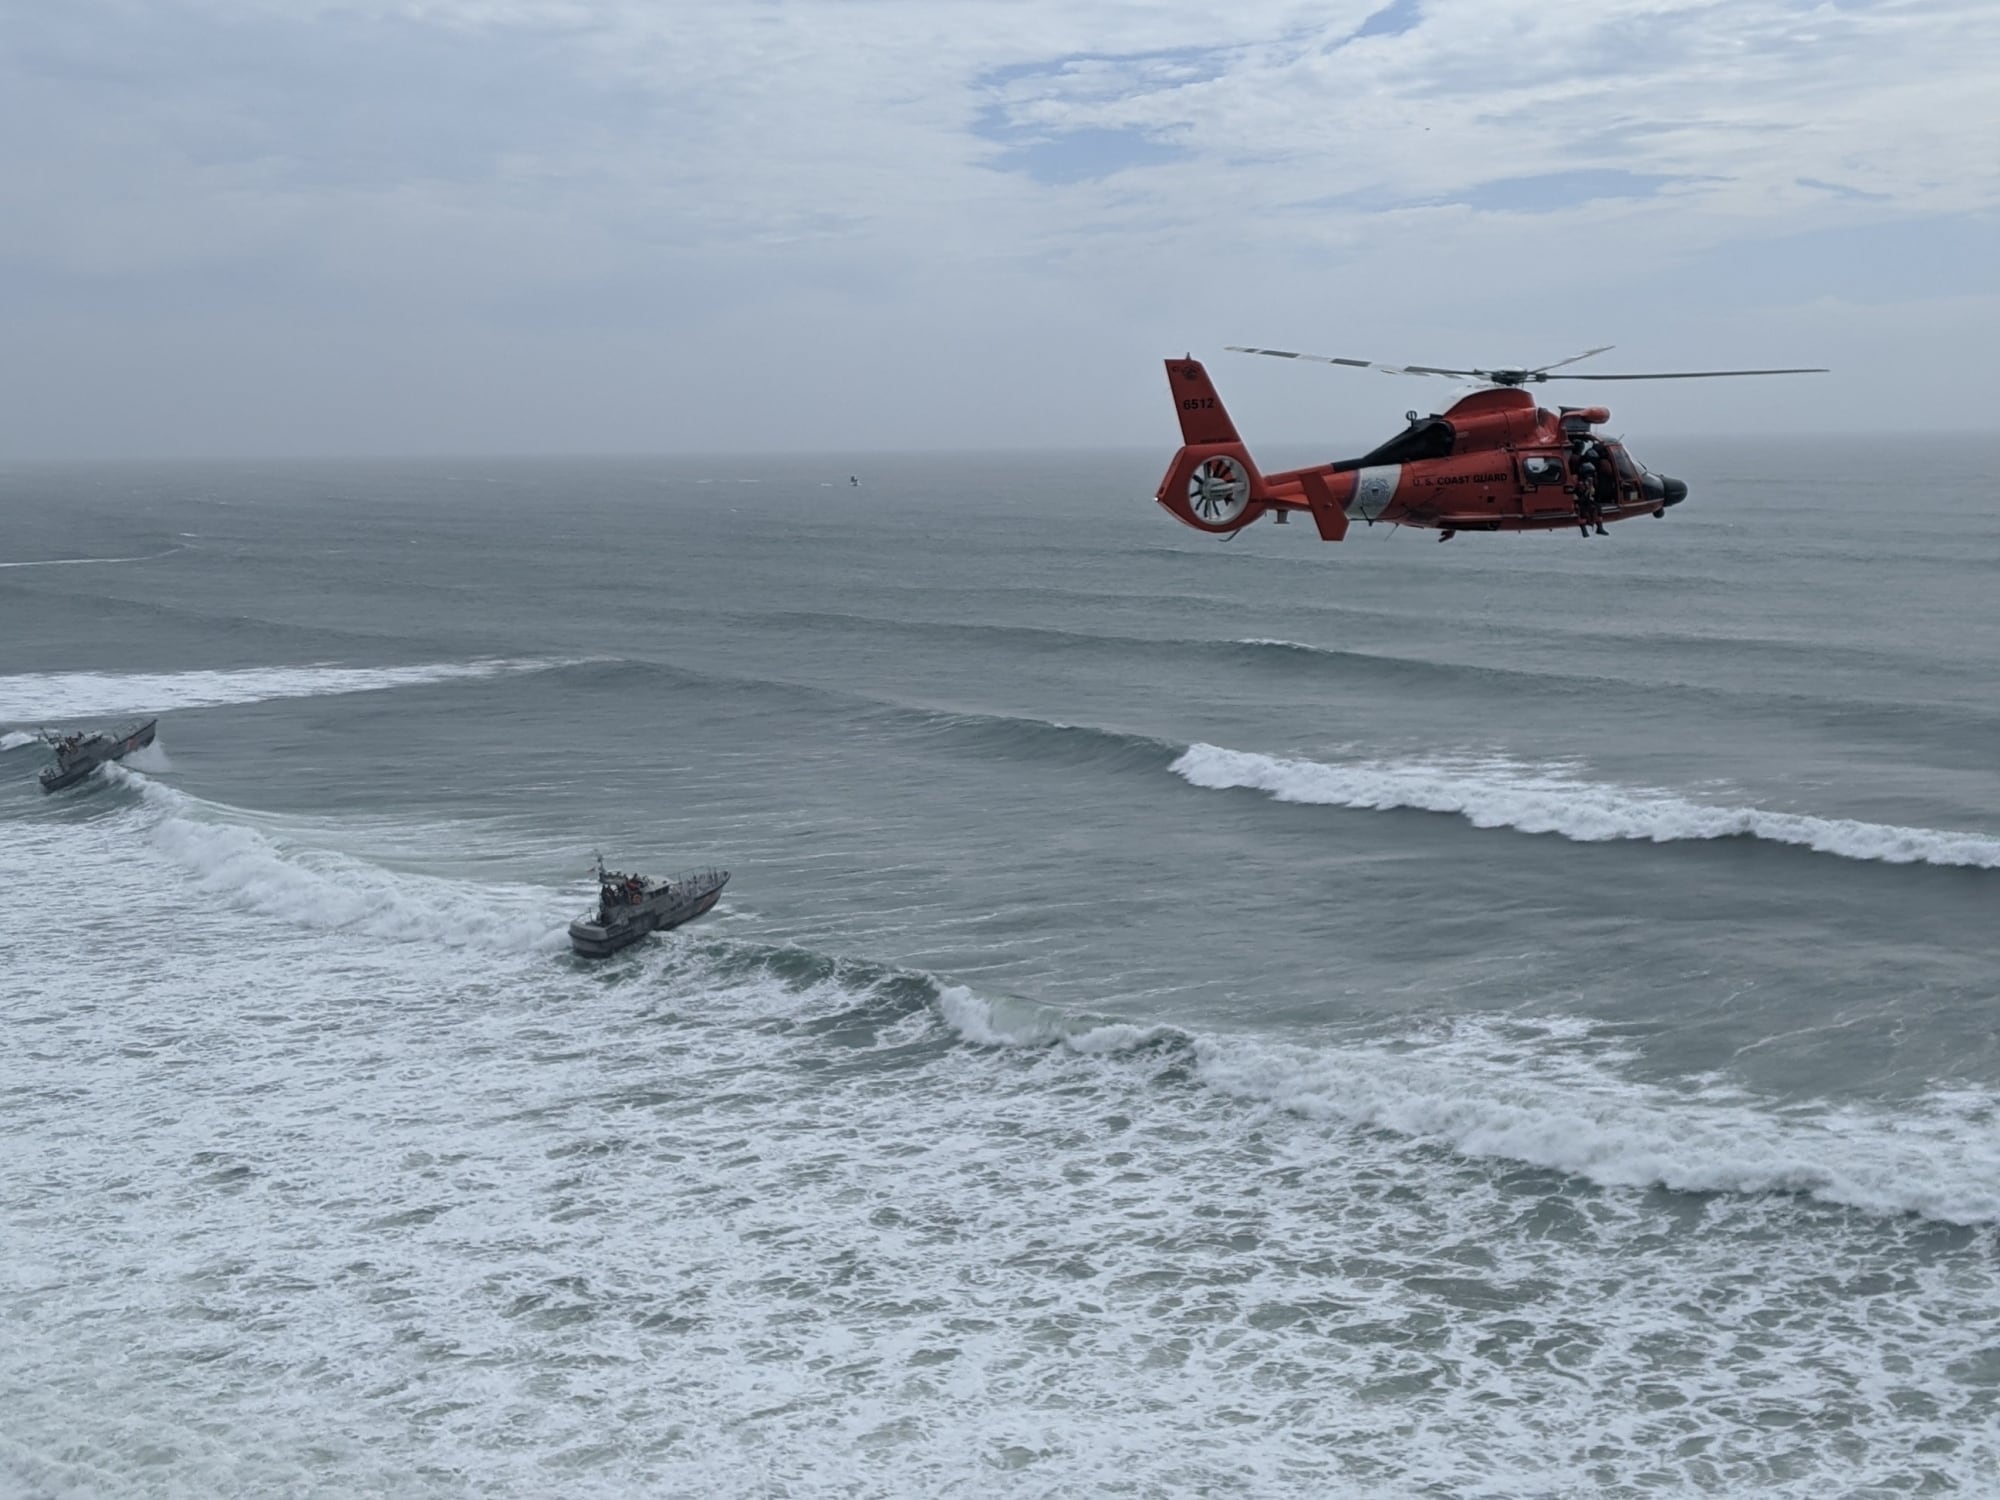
x: 1495, y: 461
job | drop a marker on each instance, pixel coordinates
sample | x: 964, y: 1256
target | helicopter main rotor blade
x: 1356, y: 364
x: 1513, y: 375
x: 1321, y: 359
x: 1699, y: 374
x: 1433, y: 370
x: 1587, y: 354
x: 1498, y: 377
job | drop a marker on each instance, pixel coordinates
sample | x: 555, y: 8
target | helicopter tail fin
x: 1203, y: 419
x: 1212, y: 483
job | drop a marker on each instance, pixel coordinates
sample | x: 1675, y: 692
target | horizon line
x: 1164, y: 449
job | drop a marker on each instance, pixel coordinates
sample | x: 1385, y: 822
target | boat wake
x: 1498, y: 792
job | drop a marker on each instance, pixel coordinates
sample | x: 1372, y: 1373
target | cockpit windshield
x: 1623, y: 461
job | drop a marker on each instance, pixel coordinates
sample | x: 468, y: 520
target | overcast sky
x: 519, y: 226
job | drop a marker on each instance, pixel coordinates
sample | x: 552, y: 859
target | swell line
x: 75, y: 562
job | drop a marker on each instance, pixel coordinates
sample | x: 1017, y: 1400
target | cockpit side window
x: 1627, y: 469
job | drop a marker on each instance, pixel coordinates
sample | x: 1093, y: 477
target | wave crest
x: 322, y: 888
x: 989, y: 1021
x: 1495, y: 792
x: 74, y: 695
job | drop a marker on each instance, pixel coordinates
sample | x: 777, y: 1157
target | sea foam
x: 1552, y: 1094
x: 1575, y: 1113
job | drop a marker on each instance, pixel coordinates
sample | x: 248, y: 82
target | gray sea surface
x: 1511, y: 1018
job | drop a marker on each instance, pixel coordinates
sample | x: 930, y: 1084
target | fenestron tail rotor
x: 1218, y: 490
x: 1513, y: 375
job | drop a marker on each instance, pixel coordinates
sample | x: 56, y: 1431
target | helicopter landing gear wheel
x: 1218, y: 491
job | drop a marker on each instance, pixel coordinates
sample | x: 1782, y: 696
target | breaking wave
x: 1496, y: 792
x: 996, y: 1022
x: 1554, y: 1094
x: 1940, y: 1160
x: 1549, y: 1094
x: 71, y: 695
x: 14, y: 739
x: 151, y: 757
x: 310, y: 885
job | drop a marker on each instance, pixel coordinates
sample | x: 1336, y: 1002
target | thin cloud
x: 450, y: 201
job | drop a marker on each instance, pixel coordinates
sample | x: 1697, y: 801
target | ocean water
x: 1512, y: 1018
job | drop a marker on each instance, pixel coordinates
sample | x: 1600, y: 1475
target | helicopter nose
x: 1663, y: 491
